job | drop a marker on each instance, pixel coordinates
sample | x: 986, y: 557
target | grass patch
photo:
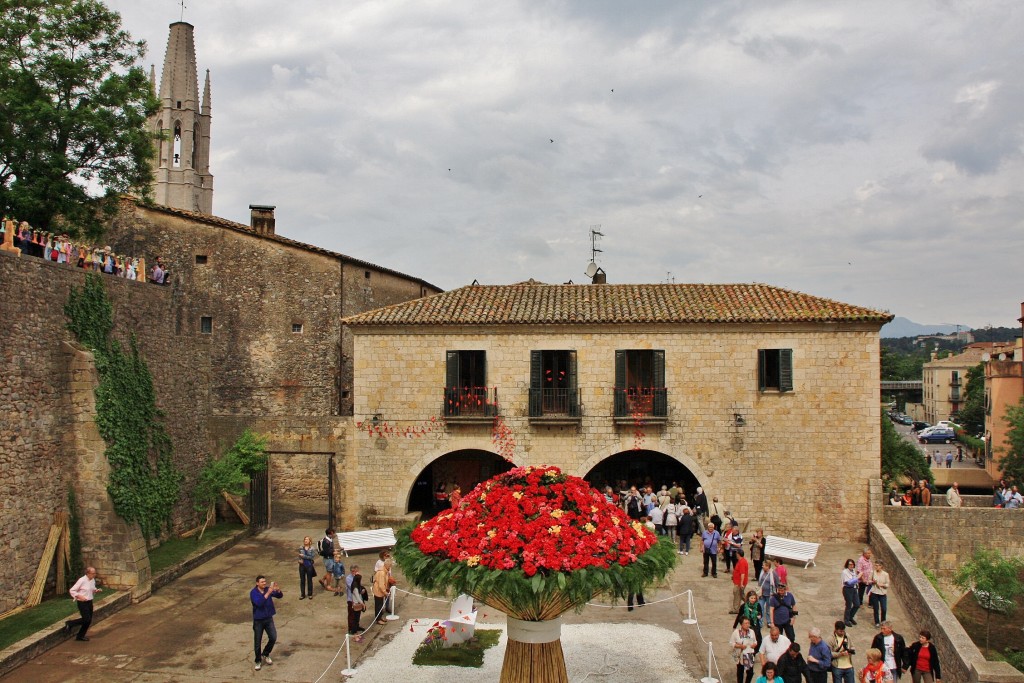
x: 465, y: 654
x: 35, y: 619
x: 175, y: 550
x: 904, y: 542
x: 932, y: 579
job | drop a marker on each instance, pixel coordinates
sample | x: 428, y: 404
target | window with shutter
x: 465, y: 390
x: 640, y: 383
x: 553, y: 383
x: 775, y: 369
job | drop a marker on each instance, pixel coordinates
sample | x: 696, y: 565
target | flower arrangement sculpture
x: 534, y: 543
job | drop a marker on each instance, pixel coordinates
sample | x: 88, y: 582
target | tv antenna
x: 183, y: 6
x: 595, y: 235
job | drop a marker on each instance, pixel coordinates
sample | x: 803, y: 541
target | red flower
x: 536, y: 519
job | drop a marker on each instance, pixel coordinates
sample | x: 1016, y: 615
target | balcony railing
x: 472, y: 403
x: 641, y: 402
x: 955, y: 382
x: 554, y: 403
x: 954, y: 395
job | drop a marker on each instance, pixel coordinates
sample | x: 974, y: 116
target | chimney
x: 600, y: 278
x: 261, y: 219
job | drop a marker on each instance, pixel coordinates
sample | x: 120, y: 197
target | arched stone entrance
x: 643, y: 468
x: 467, y: 468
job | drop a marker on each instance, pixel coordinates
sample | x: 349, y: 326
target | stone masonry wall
x: 798, y: 467
x: 943, y: 538
x: 35, y: 413
x: 298, y: 476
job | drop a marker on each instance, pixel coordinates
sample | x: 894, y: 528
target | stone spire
x: 182, y: 163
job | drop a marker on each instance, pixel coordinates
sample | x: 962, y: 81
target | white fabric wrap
x: 534, y: 631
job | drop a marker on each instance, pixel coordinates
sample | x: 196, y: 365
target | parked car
x: 918, y: 425
x: 938, y: 435
x: 904, y: 419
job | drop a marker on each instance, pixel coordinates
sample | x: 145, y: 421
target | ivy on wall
x: 144, y: 484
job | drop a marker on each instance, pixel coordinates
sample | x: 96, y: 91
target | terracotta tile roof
x: 526, y: 303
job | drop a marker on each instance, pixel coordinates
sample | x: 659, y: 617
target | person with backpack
x: 325, y: 549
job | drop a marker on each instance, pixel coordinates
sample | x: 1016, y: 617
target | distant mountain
x: 903, y: 327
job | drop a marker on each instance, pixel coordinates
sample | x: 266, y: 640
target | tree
x: 901, y: 459
x: 972, y: 415
x: 230, y: 472
x: 1012, y: 462
x: 73, y: 111
x: 994, y: 580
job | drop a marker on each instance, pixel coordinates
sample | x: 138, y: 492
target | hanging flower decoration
x: 533, y: 542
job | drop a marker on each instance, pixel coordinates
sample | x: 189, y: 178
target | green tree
x: 972, y: 415
x: 901, y: 459
x: 995, y: 582
x: 73, y: 110
x: 230, y: 472
x: 1012, y: 462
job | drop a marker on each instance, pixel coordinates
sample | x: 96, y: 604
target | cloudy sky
x: 868, y: 152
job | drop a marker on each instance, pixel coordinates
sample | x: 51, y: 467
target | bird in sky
x: 550, y: 140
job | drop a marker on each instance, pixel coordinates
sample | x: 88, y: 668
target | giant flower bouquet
x: 534, y: 543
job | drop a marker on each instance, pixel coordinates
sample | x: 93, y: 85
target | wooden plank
x: 63, y: 551
x: 234, y: 506
x: 35, y: 594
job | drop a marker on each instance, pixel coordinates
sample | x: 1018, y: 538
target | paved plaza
x: 199, y: 627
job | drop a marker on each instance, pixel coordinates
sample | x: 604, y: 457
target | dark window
x: 640, y: 383
x: 201, y: 259
x: 775, y: 369
x: 206, y: 324
x: 366, y: 274
x: 553, y: 384
x: 297, y: 328
x: 466, y: 391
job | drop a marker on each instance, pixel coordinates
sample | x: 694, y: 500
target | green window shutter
x: 659, y: 406
x: 620, y: 384
x: 451, y: 384
x: 536, y: 405
x: 762, y: 370
x: 574, y: 395
x: 785, y: 369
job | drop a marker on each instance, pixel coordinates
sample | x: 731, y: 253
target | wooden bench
x: 784, y: 548
x: 365, y: 540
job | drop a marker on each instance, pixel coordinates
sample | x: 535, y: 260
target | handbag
x: 358, y: 606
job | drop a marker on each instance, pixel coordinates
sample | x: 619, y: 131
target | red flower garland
x: 536, y: 519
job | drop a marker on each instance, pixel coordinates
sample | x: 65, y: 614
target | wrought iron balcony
x: 554, y: 405
x: 470, y: 404
x: 649, y: 404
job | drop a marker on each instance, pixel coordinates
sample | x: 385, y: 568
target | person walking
x: 851, y: 598
x: 262, y: 598
x: 740, y: 578
x: 865, y: 573
x: 893, y: 648
x: 879, y: 599
x: 685, y: 529
x: 757, y: 544
x: 743, y: 643
x: 325, y: 548
x: 306, y: 569
x: 923, y: 660
x: 953, y: 498
x: 782, y: 611
x: 83, y: 592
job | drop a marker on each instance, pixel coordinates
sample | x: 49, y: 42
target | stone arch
x: 692, y: 466
x: 466, y: 466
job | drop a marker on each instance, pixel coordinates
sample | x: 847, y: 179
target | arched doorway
x: 467, y: 468
x: 642, y: 468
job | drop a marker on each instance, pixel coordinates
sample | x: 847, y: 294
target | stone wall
x: 802, y: 456
x: 298, y: 476
x: 274, y: 306
x: 943, y: 538
x: 36, y: 412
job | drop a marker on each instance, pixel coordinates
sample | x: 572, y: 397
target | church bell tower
x: 181, y: 167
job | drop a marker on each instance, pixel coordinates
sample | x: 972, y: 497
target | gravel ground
x: 593, y: 653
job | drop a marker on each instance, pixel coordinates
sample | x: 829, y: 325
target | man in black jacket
x: 791, y: 666
x: 893, y: 648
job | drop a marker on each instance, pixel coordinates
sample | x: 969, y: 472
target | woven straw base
x: 534, y: 663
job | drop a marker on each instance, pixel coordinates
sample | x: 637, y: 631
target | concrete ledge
x: 994, y: 672
x: 42, y: 641
x: 188, y: 564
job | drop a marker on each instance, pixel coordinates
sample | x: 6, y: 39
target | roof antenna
x: 182, y: 3
x: 595, y: 234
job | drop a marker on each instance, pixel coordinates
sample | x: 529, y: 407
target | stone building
x: 944, y: 383
x: 181, y: 165
x: 1004, y: 388
x: 765, y: 397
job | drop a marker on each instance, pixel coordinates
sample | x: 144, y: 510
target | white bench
x: 365, y: 540
x: 784, y: 548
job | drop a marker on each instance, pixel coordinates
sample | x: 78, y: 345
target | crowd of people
x: 922, y: 493
x: 62, y: 249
